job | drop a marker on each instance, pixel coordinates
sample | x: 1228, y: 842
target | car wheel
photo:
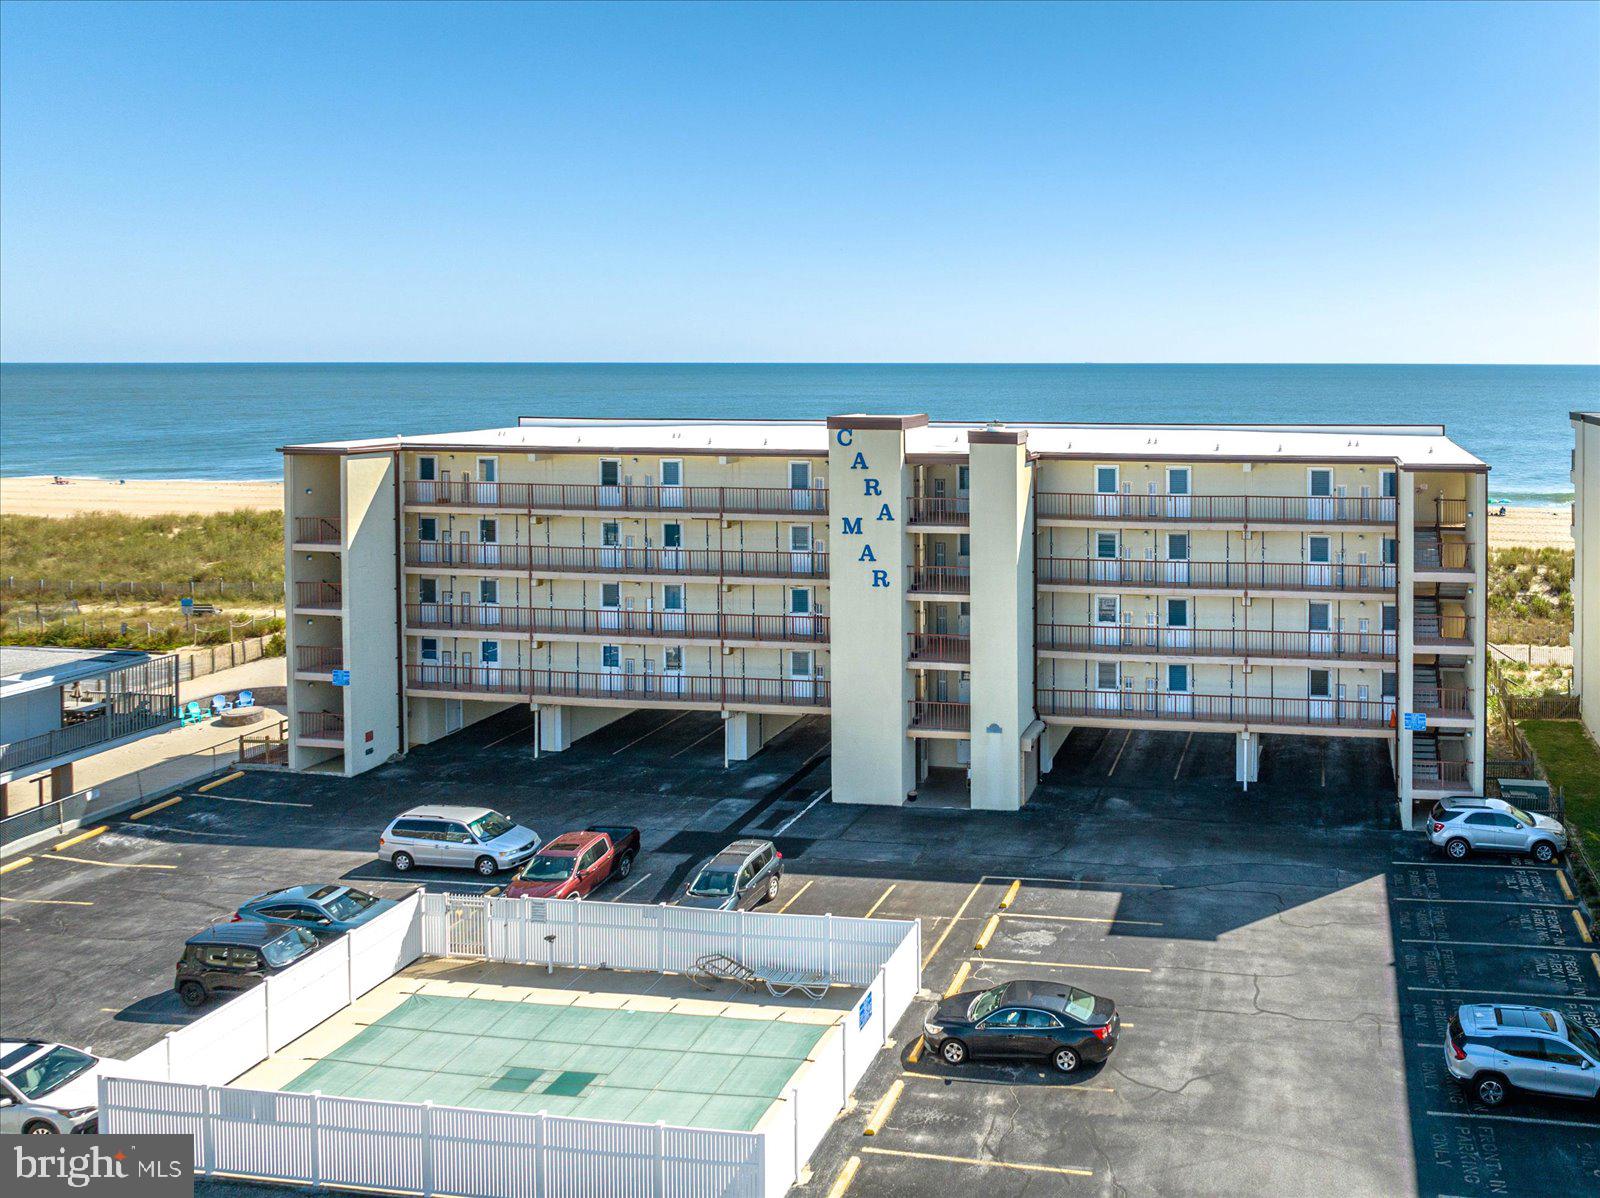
x: 193, y: 994
x: 402, y: 862
x: 1457, y: 849
x: 1064, y: 1059
x: 772, y: 888
x: 1490, y: 1089
x: 624, y: 867
x: 1544, y: 852
x: 953, y: 1052
x: 41, y: 1127
x: 485, y: 866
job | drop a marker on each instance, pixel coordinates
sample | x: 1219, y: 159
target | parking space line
x: 1477, y: 865
x: 108, y: 864
x: 17, y: 864
x: 1076, y: 965
x: 161, y: 806
x: 1594, y: 959
x: 618, y: 897
x: 1178, y: 769
x: 805, y: 886
x: 872, y: 910
x: 846, y: 1176
x: 1126, y: 737
x: 650, y: 733
x: 795, y: 818
x: 1505, y: 993
x: 1143, y: 923
x: 1583, y: 928
x: 1405, y: 898
x: 1552, y: 948
x: 1059, y: 1170
x: 218, y: 782
x: 881, y: 1112
x: 6, y: 898
x: 1516, y: 1119
x: 515, y: 732
x: 942, y: 1078
x: 954, y: 919
x: 78, y: 839
x: 702, y: 740
x: 1566, y: 887
x: 961, y: 976
x: 259, y: 802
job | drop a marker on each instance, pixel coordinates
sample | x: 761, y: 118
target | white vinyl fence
x: 418, y: 1148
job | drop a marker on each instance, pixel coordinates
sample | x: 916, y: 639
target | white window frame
x: 803, y: 466
x: 807, y: 656
x: 665, y: 462
x: 807, y: 547
x: 428, y: 649
x: 1116, y: 480
x: 423, y: 524
x: 493, y: 473
x: 1311, y: 473
x: 1188, y: 480
x: 433, y: 461
x: 1116, y: 542
x: 601, y: 472
x: 485, y: 586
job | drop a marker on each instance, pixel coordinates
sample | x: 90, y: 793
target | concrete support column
x: 1406, y: 555
x: 555, y: 733
x: 1050, y: 742
x: 1247, y: 758
x: 1001, y: 487
x: 869, y: 571
x: 61, y: 781
x: 746, y: 732
x: 1478, y: 611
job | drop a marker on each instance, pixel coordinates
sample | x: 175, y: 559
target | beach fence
x: 212, y: 659
x: 194, y: 588
x: 178, y: 1086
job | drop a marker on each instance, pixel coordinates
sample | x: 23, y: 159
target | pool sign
x: 864, y: 1011
x: 341, y: 678
x: 1416, y: 721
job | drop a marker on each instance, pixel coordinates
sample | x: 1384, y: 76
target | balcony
x: 318, y: 659
x: 1262, y: 643
x: 937, y: 715
x: 1443, y: 703
x: 939, y: 647
x: 616, y: 624
x: 940, y: 580
x: 1136, y: 574
x: 684, y: 690
x: 613, y: 559
x: 1442, y: 633
x: 313, y: 596
x: 316, y: 530
x: 1318, y: 510
x: 948, y: 511
x: 1242, y: 711
x: 1447, y: 513
x: 321, y: 728
x: 1441, y: 777
x: 1442, y: 557
x: 576, y: 497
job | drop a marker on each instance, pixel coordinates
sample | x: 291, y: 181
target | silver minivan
x: 457, y: 838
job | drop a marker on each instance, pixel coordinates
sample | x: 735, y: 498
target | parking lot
x: 1283, y: 961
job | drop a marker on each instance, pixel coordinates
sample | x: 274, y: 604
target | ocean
x: 226, y: 421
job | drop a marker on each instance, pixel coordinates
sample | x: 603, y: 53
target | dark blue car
x: 324, y: 911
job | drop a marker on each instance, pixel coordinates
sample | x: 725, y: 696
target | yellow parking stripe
x: 6, y: 898
x: 846, y: 1176
x: 1566, y: 887
x: 161, y: 806
x: 78, y: 839
x: 1067, y: 965
x: 1594, y: 958
x: 881, y: 1112
x: 1577, y: 918
x: 108, y: 864
x: 21, y: 861
x: 220, y: 781
x: 961, y: 976
x: 954, y: 919
x: 872, y: 910
x: 795, y: 896
x: 982, y: 941
x: 1011, y: 894
x: 1059, y: 1170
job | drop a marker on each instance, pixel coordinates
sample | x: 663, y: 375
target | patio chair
x: 190, y: 713
x: 220, y: 704
x: 715, y: 967
x: 245, y: 699
x: 779, y: 982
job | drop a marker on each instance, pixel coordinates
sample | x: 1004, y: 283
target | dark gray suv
x: 744, y: 875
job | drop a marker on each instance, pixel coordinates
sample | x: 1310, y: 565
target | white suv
x: 1463, y: 826
x: 1495, y: 1048
x: 48, y: 1088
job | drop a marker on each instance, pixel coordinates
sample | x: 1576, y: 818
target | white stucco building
x: 1586, y: 566
x: 954, y: 597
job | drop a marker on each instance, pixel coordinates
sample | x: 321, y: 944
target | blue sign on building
x: 864, y: 1011
x: 341, y: 678
x: 1416, y: 721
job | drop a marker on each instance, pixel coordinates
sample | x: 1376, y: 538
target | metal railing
x: 318, y: 659
x: 938, y: 509
x: 1231, y: 576
x: 1449, y: 512
x: 323, y: 725
x: 634, y: 688
x: 1446, y: 631
x: 616, y: 559
x: 1440, y: 775
x: 623, y: 497
x: 311, y: 593
x: 1219, y: 509
x: 940, y: 580
x: 1448, y: 701
x: 1215, y: 709
x: 1448, y: 555
x: 938, y: 715
x: 316, y: 530
x: 940, y: 646
x: 617, y: 622
x: 1216, y: 642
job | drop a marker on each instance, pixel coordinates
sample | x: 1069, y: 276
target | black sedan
x: 1066, y: 1025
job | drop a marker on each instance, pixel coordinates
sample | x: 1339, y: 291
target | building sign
x: 855, y: 526
x: 864, y: 1011
x: 1416, y: 721
x: 341, y: 678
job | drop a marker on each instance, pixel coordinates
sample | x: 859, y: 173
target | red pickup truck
x: 573, y: 864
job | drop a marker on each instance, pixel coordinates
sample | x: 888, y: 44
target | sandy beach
x: 1535, y: 527
x: 41, y: 496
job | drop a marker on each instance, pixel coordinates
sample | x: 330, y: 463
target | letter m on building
x: 852, y: 528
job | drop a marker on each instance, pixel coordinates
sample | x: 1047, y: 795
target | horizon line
x: 745, y: 362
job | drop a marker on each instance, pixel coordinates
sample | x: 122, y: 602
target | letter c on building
x: 844, y: 436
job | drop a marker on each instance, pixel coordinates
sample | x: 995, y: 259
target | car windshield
x: 491, y: 826
x: 349, y: 904
x: 49, y: 1072
x: 1583, y: 1036
x: 713, y: 883
x: 547, y: 869
x: 984, y: 1003
x: 292, y: 944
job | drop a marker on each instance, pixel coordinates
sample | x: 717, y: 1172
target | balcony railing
x: 940, y: 647
x: 1444, y: 702
x: 1216, y: 642
x: 937, y: 715
x: 318, y: 659
x: 616, y: 623
x: 1217, y: 509
x: 309, y: 593
x: 1447, y: 513
x: 940, y: 580
x: 611, y: 559
x: 123, y: 713
x: 1442, y: 631
x: 1450, y: 555
x: 632, y: 688
x: 1215, y: 709
x: 1440, y: 775
x: 316, y: 530
x: 624, y: 497
x: 321, y: 725
x: 1230, y: 576
x: 938, y: 509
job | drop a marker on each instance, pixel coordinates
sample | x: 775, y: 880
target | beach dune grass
x: 243, y: 547
x: 1572, y: 762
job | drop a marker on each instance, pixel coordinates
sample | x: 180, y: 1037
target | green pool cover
x: 643, y: 1066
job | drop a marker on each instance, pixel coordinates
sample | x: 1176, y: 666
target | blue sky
x: 1365, y: 183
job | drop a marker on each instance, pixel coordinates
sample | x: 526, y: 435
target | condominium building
x: 1586, y: 566
x: 953, y: 597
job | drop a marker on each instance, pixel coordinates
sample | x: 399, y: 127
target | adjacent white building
x: 1586, y: 566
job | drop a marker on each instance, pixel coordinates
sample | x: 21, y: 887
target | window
x: 1105, y: 545
x: 800, y: 538
x: 611, y: 594
x: 1528, y: 1048
x: 49, y: 1071
x: 1321, y: 684
x: 799, y: 601
x: 489, y: 590
x: 1562, y: 1054
x: 1177, y: 613
x: 488, y: 470
x: 610, y: 534
x: 1105, y: 480
x: 457, y: 834
x: 672, y: 535
x: 1480, y: 819
x: 1391, y: 684
x: 427, y: 528
x: 427, y: 469
x: 799, y: 476
x: 427, y: 590
x: 292, y: 944
x: 1389, y: 488
x: 214, y: 956
x: 1105, y: 609
x: 590, y: 855
x: 1106, y: 675
x: 671, y: 472
x: 242, y: 959
x: 800, y: 663
x: 1004, y: 1019
x: 1319, y: 617
x: 610, y: 472
x: 963, y: 477
x: 1178, y: 679
x: 1178, y: 546
x: 1391, y: 551
x: 488, y: 531
x: 430, y: 649
x: 672, y: 659
x: 1039, y: 1019
x: 1319, y: 550
x: 1177, y: 480
x: 963, y: 545
x: 1320, y: 482
x: 672, y: 597
x: 610, y: 657
x: 1391, y: 617
x: 490, y: 653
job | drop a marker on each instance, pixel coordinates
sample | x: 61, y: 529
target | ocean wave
x: 1513, y: 498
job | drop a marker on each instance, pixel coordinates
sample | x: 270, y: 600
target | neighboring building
x: 956, y: 600
x: 59, y: 705
x: 1586, y: 566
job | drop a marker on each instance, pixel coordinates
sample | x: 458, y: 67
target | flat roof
x: 26, y: 668
x: 1417, y: 446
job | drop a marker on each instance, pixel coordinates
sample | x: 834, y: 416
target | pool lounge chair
x: 779, y: 982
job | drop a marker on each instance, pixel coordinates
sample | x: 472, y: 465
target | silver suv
x: 1462, y: 827
x: 457, y: 838
x: 1494, y: 1048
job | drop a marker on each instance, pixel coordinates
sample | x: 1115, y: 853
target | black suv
x: 237, y: 956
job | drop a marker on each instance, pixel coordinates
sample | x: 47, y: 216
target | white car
x: 47, y: 1089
